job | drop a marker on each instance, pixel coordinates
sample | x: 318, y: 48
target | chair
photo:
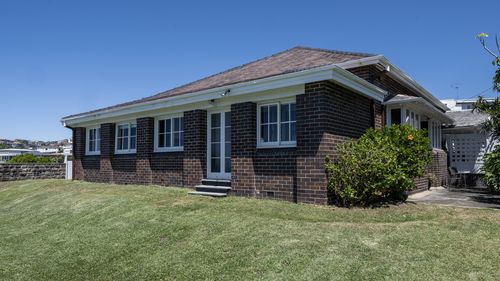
x: 455, y: 179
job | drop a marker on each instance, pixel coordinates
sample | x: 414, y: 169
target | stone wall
x: 12, y: 172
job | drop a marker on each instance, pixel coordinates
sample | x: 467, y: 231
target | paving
x: 471, y: 197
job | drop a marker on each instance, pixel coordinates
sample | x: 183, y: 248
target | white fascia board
x: 396, y: 73
x: 422, y: 101
x: 328, y: 72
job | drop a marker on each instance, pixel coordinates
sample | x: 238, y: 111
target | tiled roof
x: 467, y: 118
x: 289, y: 61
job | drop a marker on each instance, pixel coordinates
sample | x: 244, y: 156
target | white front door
x: 219, y: 145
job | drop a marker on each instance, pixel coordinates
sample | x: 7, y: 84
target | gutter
x: 327, y: 72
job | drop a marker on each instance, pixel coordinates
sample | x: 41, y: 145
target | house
x: 9, y: 153
x: 261, y: 129
x: 466, y: 142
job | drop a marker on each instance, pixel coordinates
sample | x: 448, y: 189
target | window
x: 93, y: 141
x: 169, y: 134
x: 396, y: 116
x: 126, y: 138
x: 276, y: 125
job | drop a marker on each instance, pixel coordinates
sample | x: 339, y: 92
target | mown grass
x: 62, y: 230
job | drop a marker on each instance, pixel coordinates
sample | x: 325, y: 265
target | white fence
x: 69, y: 170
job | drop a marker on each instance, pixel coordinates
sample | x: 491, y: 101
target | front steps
x: 213, y: 188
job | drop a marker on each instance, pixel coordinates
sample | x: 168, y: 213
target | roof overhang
x: 329, y: 72
x: 423, y: 105
x: 397, y: 74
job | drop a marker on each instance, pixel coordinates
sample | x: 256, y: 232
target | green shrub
x: 30, y: 158
x: 380, y: 166
x: 491, y: 170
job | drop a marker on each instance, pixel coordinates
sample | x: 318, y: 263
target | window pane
x: 182, y: 138
x: 91, y: 145
x: 215, y: 132
x: 227, y: 118
x: 91, y: 134
x: 292, y: 111
x: 285, y: 132
x: 161, y: 126
x: 273, y: 132
x: 273, y: 113
x: 177, y: 124
x: 161, y: 140
x: 285, y: 112
x: 98, y: 145
x: 264, y: 114
x: 215, y: 150
x: 182, y: 123
x: 132, y: 142
x: 133, y: 130
x: 227, y: 168
x: 227, y: 147
x: 227, y: 134
x: 293, y: 132
x: 215, y: 162
x: 168, y: 140
x: 177, y: 139
x: 124, y: 143
x: 396, y: 116
x: 215, y: 120
x: 264, y: 134
x: 168, y: 126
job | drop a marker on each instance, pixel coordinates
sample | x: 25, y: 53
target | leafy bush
x: 491, y: 169
x: 30, y: 158
x: 380, y: 166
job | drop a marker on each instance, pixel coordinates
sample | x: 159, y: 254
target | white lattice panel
x: 466, y: 151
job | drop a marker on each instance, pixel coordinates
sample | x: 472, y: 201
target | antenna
x: 457, y: 88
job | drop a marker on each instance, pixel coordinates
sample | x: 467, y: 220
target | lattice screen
x: 466, y: 151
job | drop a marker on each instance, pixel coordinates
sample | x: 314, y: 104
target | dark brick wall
x: 195, y: 147
x: 327, y: 114
x: 78, y: 153
x: 438, y: 167
x: 243, y: 148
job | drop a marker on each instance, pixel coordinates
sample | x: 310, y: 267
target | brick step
x: 212, y: 194
x: 216, y: 182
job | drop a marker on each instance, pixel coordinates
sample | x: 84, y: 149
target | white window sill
x: 169, y: 149
x: 125, y: 151
x: 264, y: 146
x: 93, y: 153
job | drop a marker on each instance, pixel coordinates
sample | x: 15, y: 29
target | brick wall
x: 438, y: 167
x: 327, y: 114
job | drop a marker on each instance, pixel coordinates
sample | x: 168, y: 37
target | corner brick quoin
x: 327, y: 114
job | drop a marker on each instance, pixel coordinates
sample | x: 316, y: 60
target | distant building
x: 9, y: 153
x: 466, y: 142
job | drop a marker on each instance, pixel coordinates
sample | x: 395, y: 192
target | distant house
x: 9, y: 153
x: 466, y: 142
x: 261, y: 129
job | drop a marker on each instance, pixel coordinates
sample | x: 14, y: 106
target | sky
x: 64, y: 57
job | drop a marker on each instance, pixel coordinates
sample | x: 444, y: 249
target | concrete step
x: 212, y: 188
x: 216, y: 182
x: 212, y: 194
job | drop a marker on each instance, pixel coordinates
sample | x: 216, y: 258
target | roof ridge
x: 335, y: 51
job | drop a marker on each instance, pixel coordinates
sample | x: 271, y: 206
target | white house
x: 466, y: 142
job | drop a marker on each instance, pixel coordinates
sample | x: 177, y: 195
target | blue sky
x: 63, y: 57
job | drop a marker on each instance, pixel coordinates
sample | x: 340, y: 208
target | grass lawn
x: 62, y: 230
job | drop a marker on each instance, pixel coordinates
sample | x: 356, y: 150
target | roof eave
x: 398, y: 74
x: 424, y: 102
x: 327, y: 72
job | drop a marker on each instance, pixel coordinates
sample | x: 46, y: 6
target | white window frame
x: 278, y: 143
x: 87, y: 141
x: 126, y: 151
x: 157, y: 131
